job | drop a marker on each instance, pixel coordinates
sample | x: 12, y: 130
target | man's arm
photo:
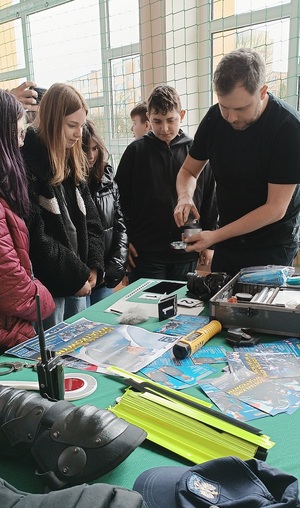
x: 278, y: 199
x: 185, y: 185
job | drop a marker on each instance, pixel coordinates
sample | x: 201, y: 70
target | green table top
x: 283, y: 429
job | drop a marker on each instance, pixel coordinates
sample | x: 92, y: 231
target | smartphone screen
x: 165, y: 287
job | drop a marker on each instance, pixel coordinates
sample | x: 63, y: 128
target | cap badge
x: 202, y: 488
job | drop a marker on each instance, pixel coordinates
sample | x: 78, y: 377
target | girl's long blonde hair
x: 61, y: 100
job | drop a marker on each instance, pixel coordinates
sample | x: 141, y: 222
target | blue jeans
x: 65, y: 307
x: 98, y: 293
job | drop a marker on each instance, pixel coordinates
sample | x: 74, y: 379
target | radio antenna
x: 50, y: 368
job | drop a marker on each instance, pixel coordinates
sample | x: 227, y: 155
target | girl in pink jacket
x: 18, y: 286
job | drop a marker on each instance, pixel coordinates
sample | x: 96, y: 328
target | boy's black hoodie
x: 146, y: 177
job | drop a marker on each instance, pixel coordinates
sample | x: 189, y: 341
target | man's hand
x: 200, y: 241
x: 183, y: 210
x: 186, y: 182
x: 26, y: 96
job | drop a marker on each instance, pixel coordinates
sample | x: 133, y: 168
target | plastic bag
x: 274, y: 275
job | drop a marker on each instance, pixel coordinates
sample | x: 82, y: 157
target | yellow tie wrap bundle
x: 186, y: 425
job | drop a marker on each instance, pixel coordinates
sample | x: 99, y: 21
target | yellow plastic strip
x: 180, y: 433
x: 231, y: 428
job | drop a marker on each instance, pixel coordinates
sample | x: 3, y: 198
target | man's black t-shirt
x: 244, y: 162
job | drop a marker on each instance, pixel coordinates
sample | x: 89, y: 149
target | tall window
x: 224, y: 8
x: 268, y: 26
x: 112, y: 50
x: 91, y: 44
x: 270, y: 39
x: 66, y: 46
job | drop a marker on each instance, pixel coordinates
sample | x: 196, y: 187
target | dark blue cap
x: 228, y: 482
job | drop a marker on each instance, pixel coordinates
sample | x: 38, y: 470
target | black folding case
x: 260, y: 317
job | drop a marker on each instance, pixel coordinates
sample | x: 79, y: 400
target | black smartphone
x: 164, y: 287
x: 40, y: 93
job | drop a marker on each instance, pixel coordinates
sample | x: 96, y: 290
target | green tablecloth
x: 283, y: 429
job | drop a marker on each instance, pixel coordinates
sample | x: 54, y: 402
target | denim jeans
x: 98, y: 293
x: 65, y: 307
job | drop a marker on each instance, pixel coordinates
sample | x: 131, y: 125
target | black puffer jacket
x: 54, y: 261
x: 107, y: 199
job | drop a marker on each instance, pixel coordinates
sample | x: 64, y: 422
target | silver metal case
x: 260, y: 317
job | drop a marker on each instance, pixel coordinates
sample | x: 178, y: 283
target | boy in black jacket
x: 146, y: 177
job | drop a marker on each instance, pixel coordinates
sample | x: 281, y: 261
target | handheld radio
x: 50, y: 368
x: 195, y: 340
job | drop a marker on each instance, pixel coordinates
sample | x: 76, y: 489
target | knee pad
x: 69, y: 444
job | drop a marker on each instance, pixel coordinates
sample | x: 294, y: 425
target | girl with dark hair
x: 18, y: 287
x: 66, y: 235
x: 105, y: 194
